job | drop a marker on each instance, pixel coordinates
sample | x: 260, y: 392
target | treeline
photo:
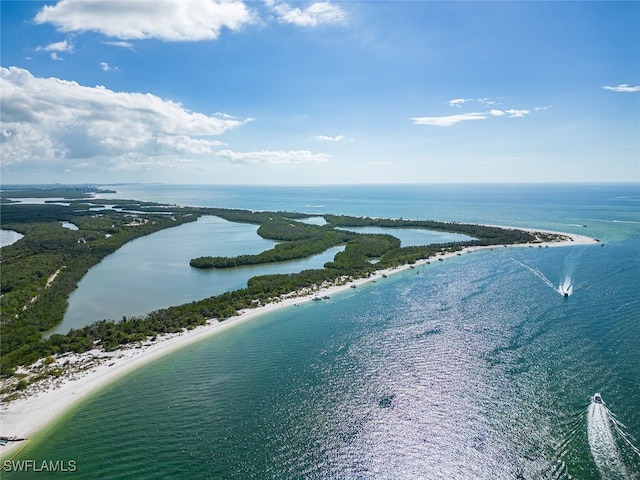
x: 356, y: 258
x: 298, y: 240
x: 256, y: 217
x: 485, y: 235
x: 410, y: 255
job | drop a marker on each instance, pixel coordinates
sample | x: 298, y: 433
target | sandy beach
x: 85, y: 373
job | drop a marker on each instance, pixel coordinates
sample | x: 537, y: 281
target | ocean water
x: 472, y: 368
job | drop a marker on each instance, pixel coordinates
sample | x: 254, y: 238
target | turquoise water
x: 473, y: 368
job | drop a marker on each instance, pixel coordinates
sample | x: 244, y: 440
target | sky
x: 329, y: 92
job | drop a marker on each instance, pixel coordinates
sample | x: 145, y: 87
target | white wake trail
x: 600, y: 431
x: 540, y: 275
x: 618, y: 427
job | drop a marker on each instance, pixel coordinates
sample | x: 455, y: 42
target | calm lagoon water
x: 153, y: 272
x: 7, y: 237
x: 473, y: 368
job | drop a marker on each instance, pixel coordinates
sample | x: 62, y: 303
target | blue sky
x: 275, y: 92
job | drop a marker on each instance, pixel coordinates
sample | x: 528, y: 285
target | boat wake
x: 565, y: 289
x: 570, y: 262
x: 603, y: 430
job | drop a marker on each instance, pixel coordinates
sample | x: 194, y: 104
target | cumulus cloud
x: 168, y: 20
x: 274, y: 157
x: 55, y: 48
x: 318, y: 13
x: 53, y: 120
x: 623, y: 88
x: 62, y: 46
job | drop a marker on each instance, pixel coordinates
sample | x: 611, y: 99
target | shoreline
x: 52, y: 397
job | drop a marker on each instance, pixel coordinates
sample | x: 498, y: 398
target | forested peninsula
x: 39, y: 271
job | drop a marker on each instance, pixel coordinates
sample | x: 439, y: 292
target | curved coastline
x: 49, y: 399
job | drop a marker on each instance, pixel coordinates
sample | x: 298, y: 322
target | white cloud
x: 448, y: 120
x: 274, y: 157
x: 624, y: 87
x: 513, y: 113
x: 542, y: 109
x: 325, y: 138
x: 486, y: 101
x: 458, y: 102
x: 55, y: 48
x: 106, y: 67
x: 52, y: 120
x: 168, y: 20
x: 62, y: 46
x: 315, y: 14
x: 121, y: 44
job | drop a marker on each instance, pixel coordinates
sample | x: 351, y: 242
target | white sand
x: 24, y: 416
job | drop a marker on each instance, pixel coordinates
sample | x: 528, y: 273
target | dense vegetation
x: 39, y: 272
x: 43, y: 268
x: 298, y: 240
x: 485, y: 235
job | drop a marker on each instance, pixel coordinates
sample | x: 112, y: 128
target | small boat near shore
x: 5, y: 440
